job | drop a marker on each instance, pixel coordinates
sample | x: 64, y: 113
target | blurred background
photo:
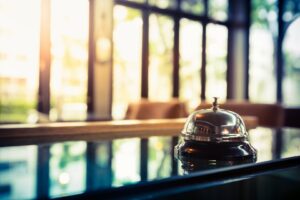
x: 87, y: 59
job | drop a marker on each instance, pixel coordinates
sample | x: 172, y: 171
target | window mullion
x: 279, y: 56
x: 90, y: 89
x: 145, y: 55
x: 176, y: 57
x: 45, y: 59
x: 203, y: 64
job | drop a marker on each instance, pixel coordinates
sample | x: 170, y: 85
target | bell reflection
x: 192, y: 165
x: 209, y: 156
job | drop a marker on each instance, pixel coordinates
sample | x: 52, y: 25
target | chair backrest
x: 146, y: 109
x: 269, y: 115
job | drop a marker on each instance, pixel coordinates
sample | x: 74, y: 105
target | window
x: 161, y: 50
x: 161, y: 42
x: 291, y: 53
x: 274, y: 72
x: 194, y: 7
x: 19, y: 59
x: 69, y: 58
x: 262, y: 72
x: 216, y: 61
x: 190, y: 50
x: 176, y: 35
x: 218, y: 9
x: 127, y: 38
x: 292, y: 66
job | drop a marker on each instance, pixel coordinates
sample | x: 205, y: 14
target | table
x: 137, y: 164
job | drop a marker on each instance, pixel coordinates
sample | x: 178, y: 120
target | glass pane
x: 161, y: 57
x: 163, y: 3
x: 262, y: 83
x: 125, y: 163
x: 216, y: 63
x: 159, y: 163
x: 18, y: 169
x: 291, y: 142
x: 291, y: 50
x: 19, y: 59
x: 127, y: 36
x: 66, y: 160
x: 262, y: 87
x: 192, y: 6
x: 190, y: 61
x: 69, y: 51
x: 218, y: 9
x: 139, y: 1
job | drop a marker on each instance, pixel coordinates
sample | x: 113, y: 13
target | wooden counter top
x: 92, y: 131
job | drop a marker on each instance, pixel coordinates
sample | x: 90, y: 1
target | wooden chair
x: 147, y: 109
x: 269, y: 115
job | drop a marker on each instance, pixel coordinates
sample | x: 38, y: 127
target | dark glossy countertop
x: 78, y: 167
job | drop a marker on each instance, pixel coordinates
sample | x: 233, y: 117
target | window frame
x: 45, y: 54
x: 146, y: 9
x: 176, y: 14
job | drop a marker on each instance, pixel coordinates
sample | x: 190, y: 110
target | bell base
x: 195, y: 156
x: 226, y: 151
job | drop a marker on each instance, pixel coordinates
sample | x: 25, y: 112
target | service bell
x: 215, y: 136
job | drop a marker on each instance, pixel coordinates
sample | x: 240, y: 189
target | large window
x: 184, y: 44
x: 49, y: 54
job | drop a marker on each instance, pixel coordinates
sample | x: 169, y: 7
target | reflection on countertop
x: 68, y: 168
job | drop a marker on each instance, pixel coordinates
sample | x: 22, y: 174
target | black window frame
x: 146, y: 9
x: 176, y: 14
x: 231, y: 24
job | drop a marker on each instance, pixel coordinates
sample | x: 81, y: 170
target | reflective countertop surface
x: 75, y: 167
